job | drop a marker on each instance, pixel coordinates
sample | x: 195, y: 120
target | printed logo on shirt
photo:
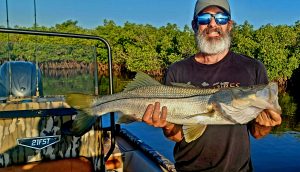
x: 205, y: 84
x: 221, y: 85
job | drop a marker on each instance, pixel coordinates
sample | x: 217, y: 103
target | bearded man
x: 221, y: 147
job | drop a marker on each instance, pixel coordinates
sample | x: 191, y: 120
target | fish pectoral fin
x: 193, y: 132
x: 126, y: 119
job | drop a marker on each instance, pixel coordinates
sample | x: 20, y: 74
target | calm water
x: 279, y: 151
x: 272, y: 153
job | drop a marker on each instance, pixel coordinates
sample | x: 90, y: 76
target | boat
x: 32, y: 136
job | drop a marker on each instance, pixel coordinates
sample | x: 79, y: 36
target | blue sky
x: 91, y: 13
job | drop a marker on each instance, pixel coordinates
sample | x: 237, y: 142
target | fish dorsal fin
x: 184, y: 85
x: 193, y: 132
x: 141, y: 80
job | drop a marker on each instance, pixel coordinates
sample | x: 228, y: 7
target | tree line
x: 138, y: 47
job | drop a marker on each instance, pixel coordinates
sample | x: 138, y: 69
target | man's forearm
x: 173, y: 132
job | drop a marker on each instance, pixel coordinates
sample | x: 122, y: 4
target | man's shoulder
x: 244, y: 59
x: 182, y: 63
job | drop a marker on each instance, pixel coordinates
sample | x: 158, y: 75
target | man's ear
x: 230, y: 24
x: 195, y: 26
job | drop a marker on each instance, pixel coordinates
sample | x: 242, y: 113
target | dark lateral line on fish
x: 145, y: 98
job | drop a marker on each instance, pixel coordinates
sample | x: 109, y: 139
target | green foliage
x: 276, y: 50
x: 173, y: 45
x: 145, y: 48
x: 242, y: 40
x: 275, y: 46
x: 142, y: 59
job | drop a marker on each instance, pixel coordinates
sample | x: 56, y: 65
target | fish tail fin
x: 84, y: 119
x: 83, y: 123
x: 78, y: 127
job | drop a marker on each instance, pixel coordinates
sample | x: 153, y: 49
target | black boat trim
x: 147, y: 150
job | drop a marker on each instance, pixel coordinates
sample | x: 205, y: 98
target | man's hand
x: 268, y: 118
x: 153, y: 116
x: 157, y: 117
x: 264, y: 122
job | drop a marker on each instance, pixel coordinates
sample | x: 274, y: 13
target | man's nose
x: 212, y: 22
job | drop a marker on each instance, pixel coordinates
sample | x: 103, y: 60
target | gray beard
x: 212, y: 46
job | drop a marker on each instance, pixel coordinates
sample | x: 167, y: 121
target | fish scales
x: 171, y: 91
x: 156, y: 92
x: 186, y: 110
x: 191, y: 107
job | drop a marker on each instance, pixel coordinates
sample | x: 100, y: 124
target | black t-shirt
x: 221, y: 147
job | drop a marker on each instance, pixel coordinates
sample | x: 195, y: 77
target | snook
x: 192, y: 107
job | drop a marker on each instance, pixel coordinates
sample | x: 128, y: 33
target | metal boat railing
x: 82, y: 36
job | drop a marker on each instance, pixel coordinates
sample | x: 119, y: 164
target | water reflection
x: 290, y: 116
x: 65, y: 73
x: 67, y: 81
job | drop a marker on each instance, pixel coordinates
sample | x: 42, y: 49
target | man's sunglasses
x: 205, y: 18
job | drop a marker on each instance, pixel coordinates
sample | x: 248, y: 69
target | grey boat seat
x: 19, y: 79
x: 28, y: 116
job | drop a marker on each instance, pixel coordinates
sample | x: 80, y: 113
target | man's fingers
x: 259, y: 118
x: 147, y: 118
x: 262, y: 119
x: 155, y: 116
x: 268, y: 118
x: 163, y: 116
x: 275, y: 117
x: 265, y: 116
x: 164, y: 112
x: 156, y: 113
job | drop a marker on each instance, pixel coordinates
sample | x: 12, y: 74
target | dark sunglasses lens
x: 221, y: 18
x: 204, y: 18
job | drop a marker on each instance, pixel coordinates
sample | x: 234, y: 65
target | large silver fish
x: 192, y: 107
